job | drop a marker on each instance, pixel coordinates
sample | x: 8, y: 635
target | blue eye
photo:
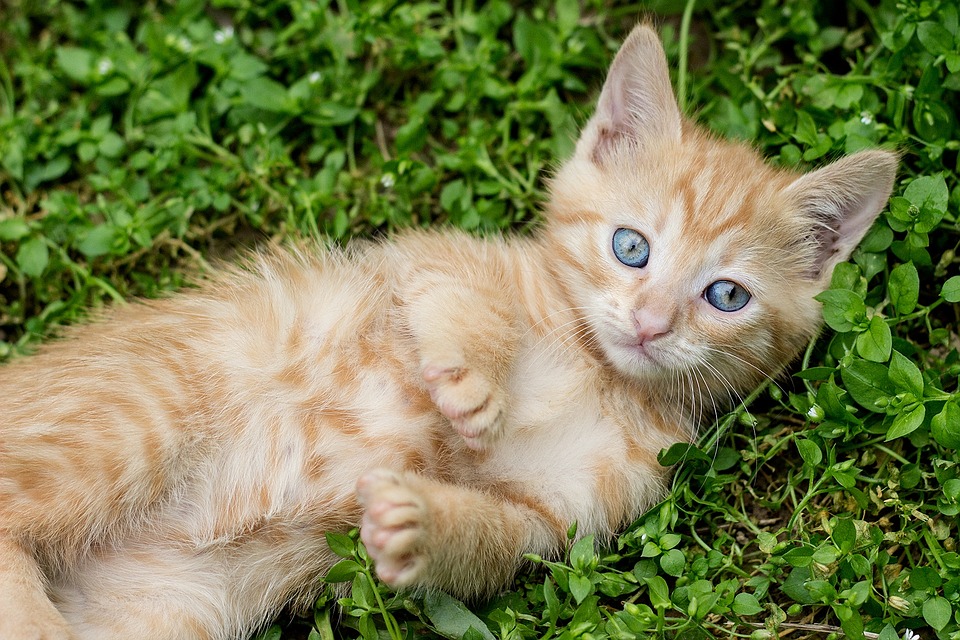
x: 727, y: 296
x: 631, y: 248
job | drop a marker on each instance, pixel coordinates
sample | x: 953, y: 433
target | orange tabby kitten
x: 170, y: 472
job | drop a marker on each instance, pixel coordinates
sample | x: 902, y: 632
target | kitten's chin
x: 638, y: 361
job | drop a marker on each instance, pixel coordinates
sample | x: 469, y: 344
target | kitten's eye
x: 727, y: 296
x: 631, y: 248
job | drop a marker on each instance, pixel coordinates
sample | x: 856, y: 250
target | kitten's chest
x: 571, y: 446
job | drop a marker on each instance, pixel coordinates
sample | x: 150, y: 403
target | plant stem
x: 684, y: 47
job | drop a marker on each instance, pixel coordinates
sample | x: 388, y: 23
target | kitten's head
x: 691, y: 261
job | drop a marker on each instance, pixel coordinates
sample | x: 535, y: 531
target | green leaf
x: 274, y: 632
x: 928, y: 191
x: 331, y: 114
x: 935, y: 38
x: 659, y: 593
x: 269, y: 95
x: 113, y: 87
x: 794, y: 585
x: 673, y: 562
x: 846, y: 276
x: 568, y: 14
x: 450, y: 618
x: 13, y: 229
x: 47, y: 171
x: 904, y: 287
x: 951, y: 289
x: 844, y: 535
x: 841, y: 308
x: 98, y: 241
x: 580, y: 587
x: 343, y: 571
x: 670, y: 540
x: 550, y: 599
x: 875, y: 343
x: 111, y: 145
x: 746, y: 604
x: 867, y: 382
x: 906, y: 422
x: 367, y: 627
x: 532, y: 39
x: 905, y: 375
x: 937, y: 612
x: 32, y: 257
x: 878, y: 238
x: 829, y: 402
x: 681, y: 451
x: 809, y: 451
x: 583, y: 554
x: 799, y: 556
x: 945, y: 426
x: 889, y: 633
x: 75, y: 62
x: 850, y: 621
x: 340, y: 544
x: 925, y: 578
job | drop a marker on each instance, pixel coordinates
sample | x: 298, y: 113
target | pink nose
x: 650, y: 325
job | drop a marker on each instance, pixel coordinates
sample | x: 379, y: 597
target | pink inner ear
x: 636, y: 102
x: 842, y: 200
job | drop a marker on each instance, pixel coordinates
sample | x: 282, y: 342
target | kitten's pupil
x: 727, y: 296
x: 631, y: 248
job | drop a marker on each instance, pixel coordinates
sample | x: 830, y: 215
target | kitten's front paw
x: 472, y: 403
x: 393, y: 528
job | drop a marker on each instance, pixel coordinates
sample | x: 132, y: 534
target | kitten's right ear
x: 637, y: 102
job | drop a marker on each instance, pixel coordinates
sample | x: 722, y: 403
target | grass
x: 138, y: 141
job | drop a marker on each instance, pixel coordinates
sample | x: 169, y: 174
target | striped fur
x: 169, y: 470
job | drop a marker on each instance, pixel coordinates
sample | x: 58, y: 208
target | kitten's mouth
x: 645, y: 352
x: 632, y: 356
x: 641, y: 355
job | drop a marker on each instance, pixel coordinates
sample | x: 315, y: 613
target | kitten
x: 169, y: 471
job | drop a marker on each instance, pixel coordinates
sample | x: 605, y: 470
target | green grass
x: 138, y: 141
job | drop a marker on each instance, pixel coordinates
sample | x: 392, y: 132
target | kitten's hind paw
x: 393, y: 527
x: 470, y: 401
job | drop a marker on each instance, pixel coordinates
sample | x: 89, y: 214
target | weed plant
x: 140, y: 140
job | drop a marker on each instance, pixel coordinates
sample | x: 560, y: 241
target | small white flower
x: 387, y: 180
x: 866, y: 117
x: 910, y: 634
x: 223, y: 35
x: 314, y: 77
x: 184, y: 44
x: 105, y: 66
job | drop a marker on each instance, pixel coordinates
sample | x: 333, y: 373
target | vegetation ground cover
x: 140, y: 141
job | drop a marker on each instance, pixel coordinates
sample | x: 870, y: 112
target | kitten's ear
x: 842, y: 200
x: 636, y: 103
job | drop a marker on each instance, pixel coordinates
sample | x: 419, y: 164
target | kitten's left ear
x: 637, y: 102
x: 842, y: 200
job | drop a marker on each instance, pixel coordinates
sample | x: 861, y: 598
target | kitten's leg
x: 466, y: 337
x: 425, y: 533
x: 157, y: 591
x: 25, y: 610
